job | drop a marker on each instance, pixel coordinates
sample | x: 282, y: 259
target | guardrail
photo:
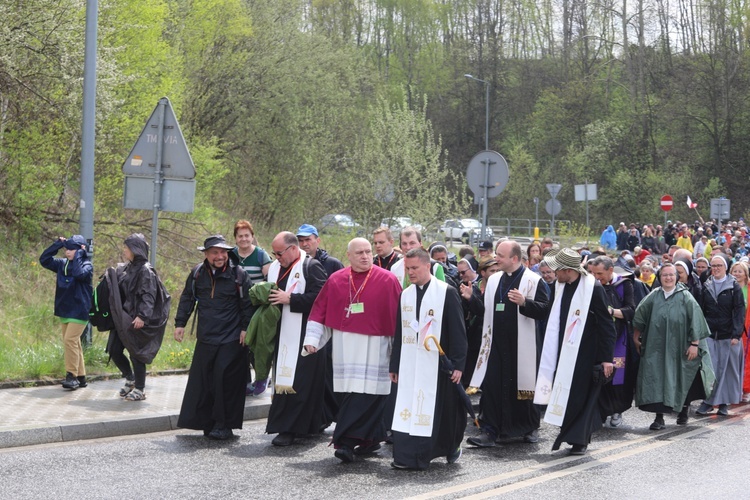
x: 507, y: 226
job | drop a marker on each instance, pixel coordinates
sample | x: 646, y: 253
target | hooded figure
x: 140, y: 307
x: 609, y: 238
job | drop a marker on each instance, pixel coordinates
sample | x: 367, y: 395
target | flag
x: 690, y: 203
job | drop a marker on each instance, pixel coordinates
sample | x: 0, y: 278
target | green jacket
x: 261, y: 333
x: 667, y: 327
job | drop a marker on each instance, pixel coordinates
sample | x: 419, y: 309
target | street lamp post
x: 486, y: 148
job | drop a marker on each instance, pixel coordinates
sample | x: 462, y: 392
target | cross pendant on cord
x: 348, y: 310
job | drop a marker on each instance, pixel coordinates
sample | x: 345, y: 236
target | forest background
x: 293, y: 109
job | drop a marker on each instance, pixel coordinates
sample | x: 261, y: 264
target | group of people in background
x: 389, y: 347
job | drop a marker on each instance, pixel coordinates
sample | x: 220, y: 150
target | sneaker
x: 682, y: 417
x: 579, y: 449
x: 484, y: 440
x: 249, y: 389
x: 71, y: 382
x: 82, y: 381
x: 723, y: 410
x: 260, y: 387
x: 129, y: 386
x: 531, y: 437
x: 746, y: 397
x: 345, y: 454
x: 453, y: 457
x: 704, y: 409
x: 615, y: 420
x: 658, y: 424
x: 135, y: 395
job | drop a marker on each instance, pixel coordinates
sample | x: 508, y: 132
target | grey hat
x: 567, y: 258
x: 216, y: 241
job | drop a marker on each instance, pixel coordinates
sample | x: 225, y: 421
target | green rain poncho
x: 261, y: 333
x: 667, y: 327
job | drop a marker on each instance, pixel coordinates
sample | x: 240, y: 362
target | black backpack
x: 99, y: 314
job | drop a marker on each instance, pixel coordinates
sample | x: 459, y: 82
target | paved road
x: 707, y: 458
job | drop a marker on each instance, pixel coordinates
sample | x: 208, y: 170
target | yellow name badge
x: 357, y: 308
x: 500, y: 307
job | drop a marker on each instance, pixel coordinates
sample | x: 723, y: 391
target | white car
x: 464, y: 230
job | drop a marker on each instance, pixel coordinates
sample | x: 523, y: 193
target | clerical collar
x: 422, y: 287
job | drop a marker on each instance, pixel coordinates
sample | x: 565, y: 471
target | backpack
x: 99, y: 314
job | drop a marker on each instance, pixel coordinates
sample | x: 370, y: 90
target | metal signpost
x: 720, y: 208
x: 487, y: 176
x: 586, y: 193
x: 666, y: 203
x: 553, y: 207
x: 160, y: 159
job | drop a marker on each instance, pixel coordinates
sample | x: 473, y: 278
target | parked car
x: 341, y: 223
x: 396, y: 224
x: 464, y: 230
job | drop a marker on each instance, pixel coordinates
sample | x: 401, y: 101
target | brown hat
x: 486, y: 262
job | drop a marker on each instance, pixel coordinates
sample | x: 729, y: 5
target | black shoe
x: 454, y: 456
x: 82, y: 381
x: 396, y: 465
x: 531, y: 437
x: 658, y: 424
x: 682, y: 417
x: 71, y: 382
x: 578, y: 449
x: 221, y: 434
x: 484, y: 440
x: 366, y: 450
x: 283, y: 439
x: 345, y: 454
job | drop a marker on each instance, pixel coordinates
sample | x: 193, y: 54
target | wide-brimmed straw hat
x: 567, y: 258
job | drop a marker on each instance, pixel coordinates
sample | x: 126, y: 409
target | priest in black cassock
x: 429, y: 419
x: 577, y: 354
x: 514, y: 300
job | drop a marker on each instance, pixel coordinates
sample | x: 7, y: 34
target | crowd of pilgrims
x: 667, y: 327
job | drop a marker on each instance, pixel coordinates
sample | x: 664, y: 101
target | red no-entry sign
x: 666, y: 203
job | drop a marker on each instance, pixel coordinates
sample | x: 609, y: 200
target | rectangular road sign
x: 177, y: 195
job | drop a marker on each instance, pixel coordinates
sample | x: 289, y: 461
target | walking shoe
x: 658, y: 424
x: 531, y: 437
x: 454, y: 456
x: 366, y: 450
x: 283, y: 439
x: 82, y: 381
x: 345, y: 454
x: 70, y: 382
x: 396, y: 465
x: 723, y: 410
x: 579, y: 449
x: 129, y: 386
x: 135, y: 395
x: 484, y: 440
x: 260, y: 387
x: 249, y: 389
x: 682, y: 417
x: 219, y: 433
x: 746, y: 397
x: 615, y: 420
x: 704, y: 409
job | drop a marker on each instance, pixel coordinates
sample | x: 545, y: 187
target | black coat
x: 724, y: 314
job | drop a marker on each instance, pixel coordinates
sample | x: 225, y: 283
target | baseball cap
x: 485, y: 245
x: 307, y: 230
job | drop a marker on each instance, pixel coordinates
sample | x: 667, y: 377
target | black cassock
x: 416, y: 452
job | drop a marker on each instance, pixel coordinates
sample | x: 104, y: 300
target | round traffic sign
x: 497, y: 176
x: 553, y: 206
x: 666, y: 203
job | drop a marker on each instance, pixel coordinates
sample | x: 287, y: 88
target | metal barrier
x: 508, y: 227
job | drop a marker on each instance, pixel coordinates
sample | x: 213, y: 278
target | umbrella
x: 446, y: 365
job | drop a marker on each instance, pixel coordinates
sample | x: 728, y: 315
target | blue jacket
x: 74, y: 290
x: 609, y: 238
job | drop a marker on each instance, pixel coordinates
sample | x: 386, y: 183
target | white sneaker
x: 746, y: 397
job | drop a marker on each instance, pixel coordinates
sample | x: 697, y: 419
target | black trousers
x: 138, y: 369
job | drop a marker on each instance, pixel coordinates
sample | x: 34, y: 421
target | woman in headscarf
x: 723, y: 306
x: 140, y: 308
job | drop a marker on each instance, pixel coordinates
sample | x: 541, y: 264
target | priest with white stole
x: 429, y: 419
x: 577, y: 354
x: 357, y: 308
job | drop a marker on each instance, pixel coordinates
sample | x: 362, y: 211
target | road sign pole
x: 157, y: 180
x: 487, y: 164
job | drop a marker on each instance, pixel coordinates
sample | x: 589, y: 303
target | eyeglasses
x: 279, y: 254
x: 461, y: 273
x: 716, y: 266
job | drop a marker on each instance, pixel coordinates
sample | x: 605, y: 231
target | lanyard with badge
x: 354, y: 306
x: 500, y: 306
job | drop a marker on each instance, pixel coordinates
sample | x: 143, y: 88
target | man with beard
x: 577, y: 354
x: 514, y: 300
x: 214, y: 400
x: 617, y: 397
x: 359, y: 304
